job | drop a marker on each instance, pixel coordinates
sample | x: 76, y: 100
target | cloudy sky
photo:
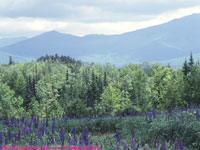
x: 82, y: 17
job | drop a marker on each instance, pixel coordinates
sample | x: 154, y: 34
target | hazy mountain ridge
x: 8, y: 41
x: 170, y: 41
x: 4, y: 58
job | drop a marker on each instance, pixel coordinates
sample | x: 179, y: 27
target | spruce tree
x: 10, y: 60
x: 67, y: 76
x: 105, y: 80
x: 191, y: 62
x: 185, y: 68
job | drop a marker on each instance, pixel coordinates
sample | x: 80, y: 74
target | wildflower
x: 47, y: 123
x: 163, y: 146
x: 85, y: 135
x: 6, y: 140
x: 117, y: 148
x: 53, y: 127
x: 181, y: 145
x: 62, y: 135
x: 133, y: 144
x: 125, y: 145
x: 52, y: 140
x: 176, y: 145
x: 111, y: 145
x: 197, y: 114
x: 1, y: 138
x: 118, y: 136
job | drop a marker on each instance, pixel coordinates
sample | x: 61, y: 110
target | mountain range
x: 168, y: 43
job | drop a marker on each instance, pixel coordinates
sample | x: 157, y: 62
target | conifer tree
x: 10, y: 60
x: 105, y: 80
x: 191, y: 62
x: 185, y: 68
x: 67, y: 76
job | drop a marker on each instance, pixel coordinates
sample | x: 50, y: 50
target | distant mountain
x: 4, y: 58
x: 9, y: 41
x: 162, y: 43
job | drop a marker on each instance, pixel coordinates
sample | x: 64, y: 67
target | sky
x: 82, y: 17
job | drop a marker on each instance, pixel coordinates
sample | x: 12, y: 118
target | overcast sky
x: 82, y: 17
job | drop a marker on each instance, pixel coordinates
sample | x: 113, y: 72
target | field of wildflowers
x: 173, y: 130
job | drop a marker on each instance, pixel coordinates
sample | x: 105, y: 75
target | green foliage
x: 75, y: 107
x: 55, y: 83
x: 10, y: 106
x: 114, y: 101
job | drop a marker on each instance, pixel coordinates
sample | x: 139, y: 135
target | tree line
x: 54, y: 85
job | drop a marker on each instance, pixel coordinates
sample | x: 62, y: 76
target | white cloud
x: 31, y: 26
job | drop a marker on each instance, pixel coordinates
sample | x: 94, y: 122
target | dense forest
x: 56, y: 85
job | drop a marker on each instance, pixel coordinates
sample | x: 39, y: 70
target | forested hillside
x: 54, y: 85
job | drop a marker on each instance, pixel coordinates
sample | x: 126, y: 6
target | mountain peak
x: 174, y: 39
x: 52, y: 32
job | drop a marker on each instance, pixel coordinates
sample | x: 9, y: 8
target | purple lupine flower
x: 146, y: 117
x: 63, y: 115
x: 176, y: 145
x: 133, y: 144
x: 101, y: 147
x: 42, y: 130
x: 1, y: 139
x: 26, y: 129
x: 181, y: 145
x: 21, y: 125
x: 47, y: 123
x: 14, y: 140
x: 118, y: 137
x: 6, y: 140
x: 19, y: 135
x: 74, y: 132
x: 53, y: 140
x: 132, y: 113
x: 197, y: 114
x: 38, y: 129
x: 69, y: 140
x: 75, y: 141
x: 121, y: 115
x: 111, y: 145
x: 163, y: 146
x: 30, y: 129
x: 53, y: 127
x: 59, y: 140
x: 156, y: 144
x: 62, y: 136
x: 117, y: 147
x: 80, y: 141
x: 85, y: 135
x: 142, y: 144
x: 125, y: 145
x: 150, y: 117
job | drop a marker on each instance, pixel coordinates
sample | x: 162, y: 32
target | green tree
x: 113, y: 101
x: 11, y: 61
x: 10, y: 106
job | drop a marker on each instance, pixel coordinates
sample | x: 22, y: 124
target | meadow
x: 172, y: 130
